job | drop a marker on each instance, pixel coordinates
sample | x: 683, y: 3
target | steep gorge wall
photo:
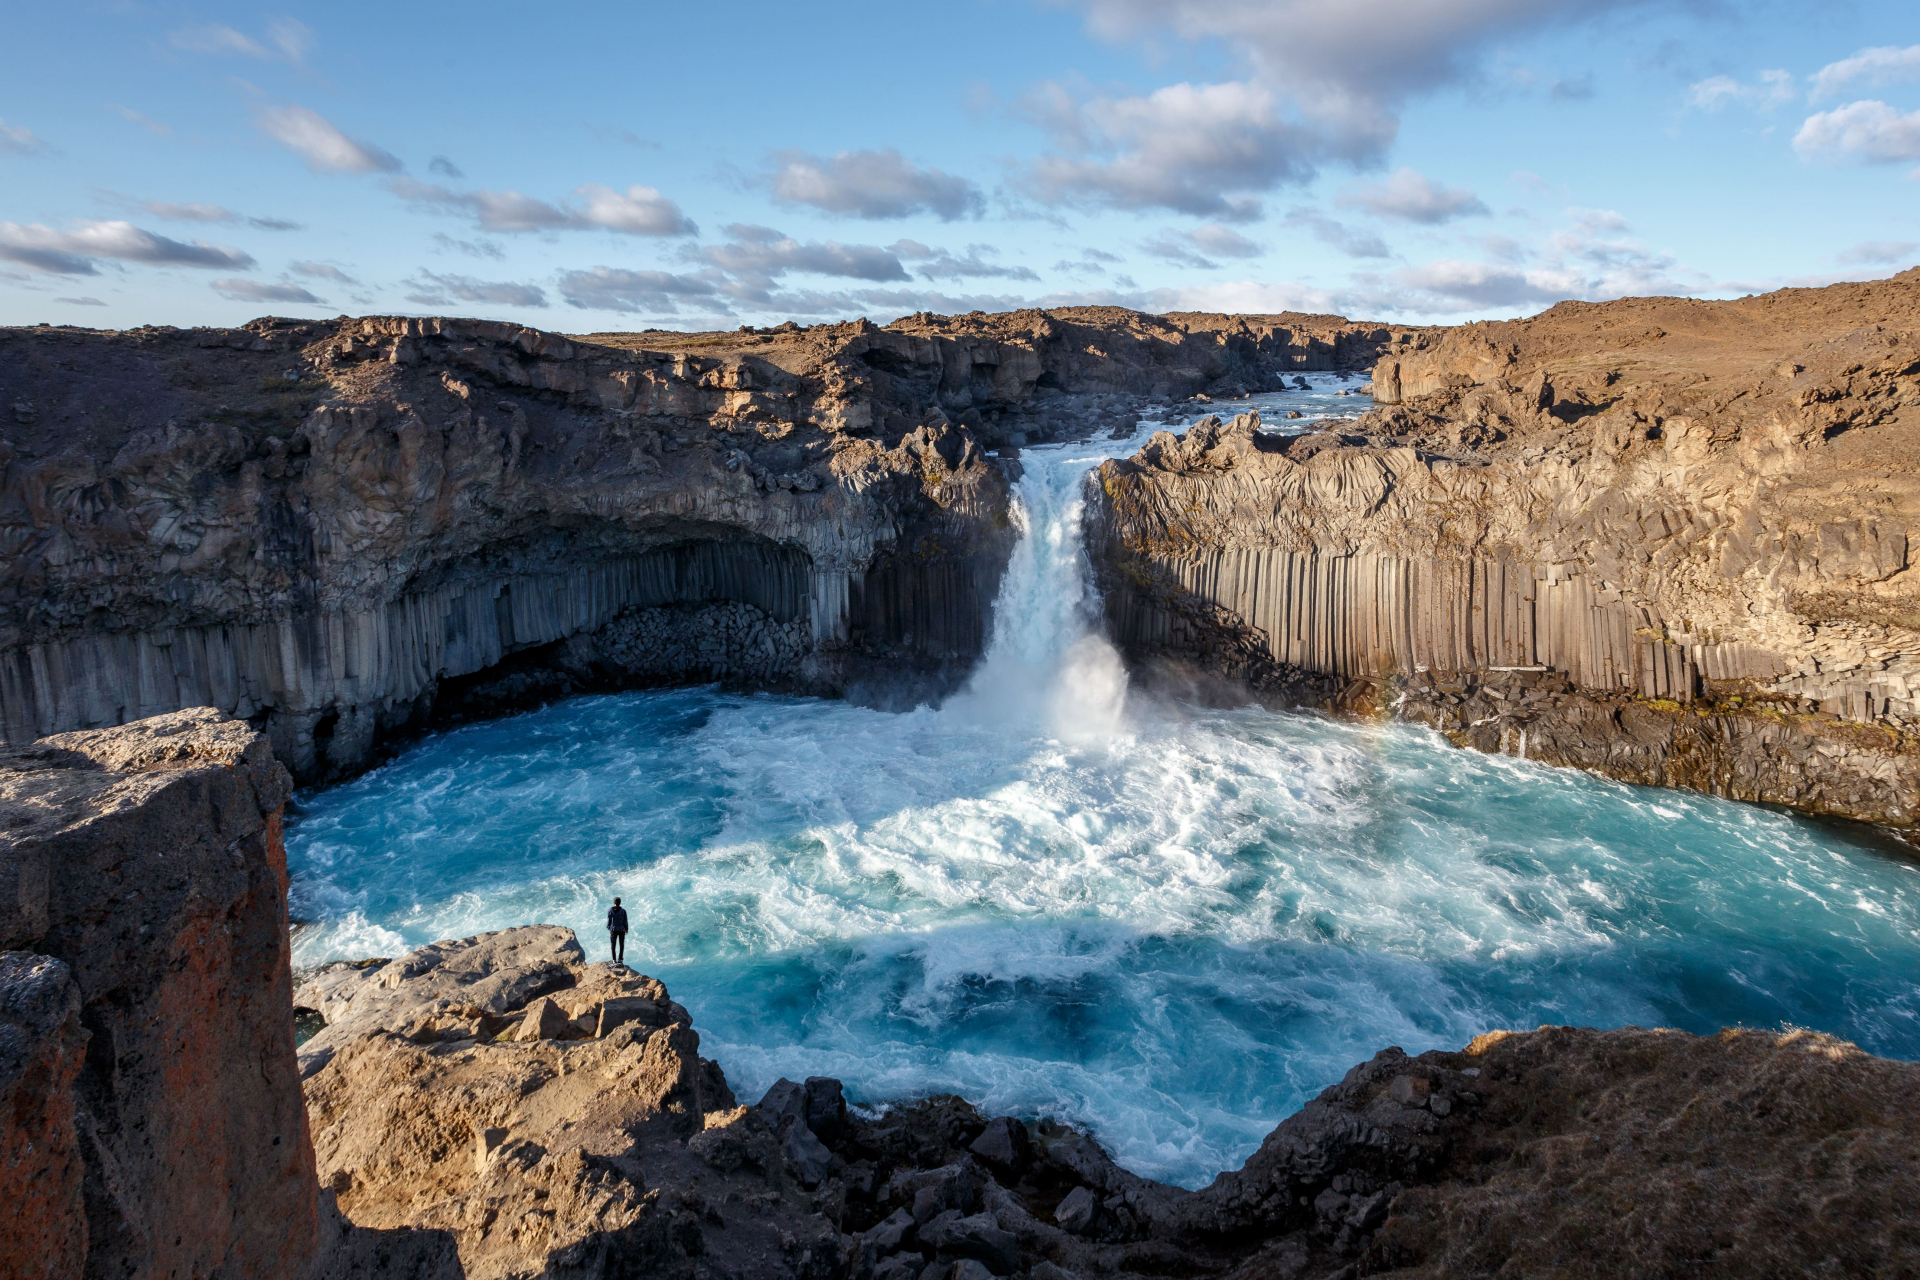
x: 316, y: 525
x: 152, y: 1125
x: 1696, y: 512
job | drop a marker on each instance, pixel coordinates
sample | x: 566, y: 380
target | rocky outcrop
x: 1698, y: 508
x: 550, y: 1117
x: 150, y: 1119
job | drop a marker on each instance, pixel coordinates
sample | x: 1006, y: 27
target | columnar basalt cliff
x: 150, y: 1118
x: 1661, y: 538
x: 338, y: 528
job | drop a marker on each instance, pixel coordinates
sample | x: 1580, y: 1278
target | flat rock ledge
x: 498, y: 1107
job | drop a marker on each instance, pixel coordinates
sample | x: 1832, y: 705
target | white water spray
x: 1047, y: 665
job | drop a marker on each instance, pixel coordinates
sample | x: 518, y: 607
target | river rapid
x: 1057, y: 895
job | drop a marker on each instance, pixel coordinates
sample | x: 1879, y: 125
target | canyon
x: 1662, y: 540
x: 1659, y: 538
x: 333, y: 528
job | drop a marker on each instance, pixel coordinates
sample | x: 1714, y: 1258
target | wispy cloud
x: 652, y: 292
x: 321, y: 271
x: 73, y: 251
x: 637, y: 211
x: 1879, y: 252
x: 1773, y: 89
x: 940, y: 264
x: 286, y: 40
x: 157, y: 128
x: 323, y: 146
x: 1888, y: 64
x: 18, y: 140
x: 260, y: 291
x: 432, y: 290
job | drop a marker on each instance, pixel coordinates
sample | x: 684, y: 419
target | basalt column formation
x: 343, y: 529
x: 1660, y: 538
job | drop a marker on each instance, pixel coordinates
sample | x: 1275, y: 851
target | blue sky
x: 583, y: 167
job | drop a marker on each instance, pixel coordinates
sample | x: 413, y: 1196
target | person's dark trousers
x: 619, y: 947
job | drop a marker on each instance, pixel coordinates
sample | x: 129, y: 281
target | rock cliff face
x: 549, y: 1117
x: 150, y: 1119
x: 328, y: 528
x: 1661, y: 538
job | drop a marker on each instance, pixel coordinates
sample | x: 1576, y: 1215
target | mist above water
x: 1056, y: 896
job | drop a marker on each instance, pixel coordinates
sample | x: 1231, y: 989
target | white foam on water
x: 1053, y: 896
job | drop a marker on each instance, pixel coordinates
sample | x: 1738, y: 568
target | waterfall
x: 1048, y: 666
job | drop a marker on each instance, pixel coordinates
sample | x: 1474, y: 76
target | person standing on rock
x: 617, y: 932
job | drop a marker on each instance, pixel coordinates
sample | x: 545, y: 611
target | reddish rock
x: 146, y: 862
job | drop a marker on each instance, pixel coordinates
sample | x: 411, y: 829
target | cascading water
x: 1168, y: 923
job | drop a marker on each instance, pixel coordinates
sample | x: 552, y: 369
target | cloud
x: 321, y: 271
x: 1189, y: 248
x: 1449, y: 285
x: 757, y: 256
x: 188, y: 212
x: 1090, y: 262
x: 1410, y: 196
x: 1224, y: 242
x: 638, y: 211
x: 1878, y: 252
x: 445, y: 167
x: 872, y: 184
x: 81, y: 302
x: 274, y: 224
x: 72, y: 252
x: 1197, y: 149
x: 655, y: 292
x: 1869, y: 132
x: 1348, y: 67
x: 939, y: 264
x: 155, y: 127
x: 286, y: 41
x: 1572, y: 88
x: 260, y: 291
x: 1715, y: 92
x: 472, y: 248
x: 1888, y: 64
x: 325, y: 149
x: 431, y: 290
x: 1170, y: 246
x: 1352, y: 241
x: 18, y: 140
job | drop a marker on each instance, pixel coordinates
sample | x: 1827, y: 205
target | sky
x: 587, y: 167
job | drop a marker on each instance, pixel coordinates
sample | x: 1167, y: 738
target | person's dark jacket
x: 617, y: 920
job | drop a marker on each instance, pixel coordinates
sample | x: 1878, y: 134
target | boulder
x: 806, y: 1155
x: 544, y: 1020
x: 1077, y: 1211
x: 1005, y: 1145
x: 783, y: 1101
x: 978, y: 1237
x: 826, y: 1107
x: 621, y: 1010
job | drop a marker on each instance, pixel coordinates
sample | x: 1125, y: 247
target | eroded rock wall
x: 152, y: 1125
x: 1698, y: 507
